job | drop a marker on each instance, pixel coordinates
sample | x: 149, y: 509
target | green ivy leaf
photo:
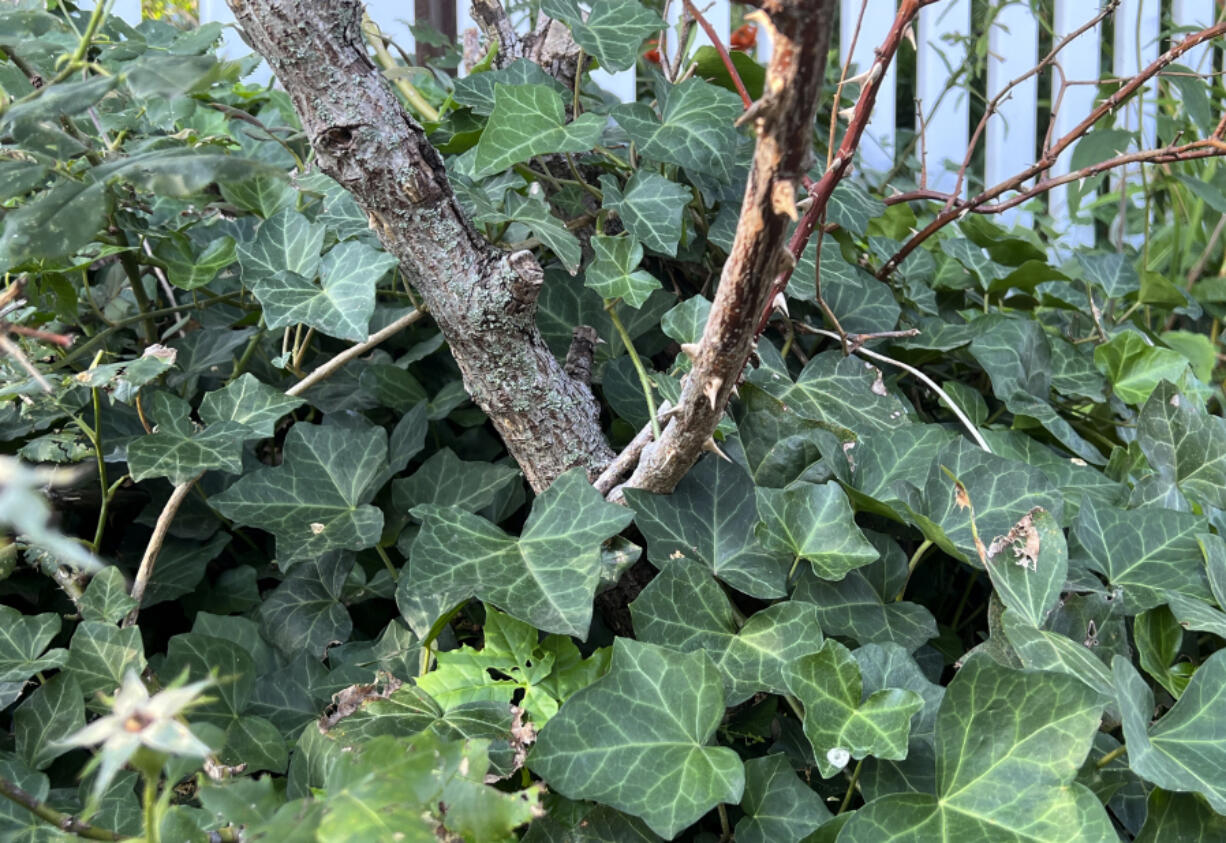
x: 1009, y: 745
x: 285, y: 242
x: 54, y: 224
x: 1030, y: 566
x: 1040, y: 649
x: 477, y: 90
x: 318, y: 498
x: 777, y: 804
x: 1145, y: 551
x: 638, y: 739
x: 841, y: 391
x: 838, y: 723
x: 529, y: 120
x: 178, y: 452
x: 45, y: 718
x: 1181, y: 751
x: 1113, y: 273
x: 815, y: 523
x: 614, y: 274
x: 1135, y: 367
x: 249, y: 402
x: 1184, y: 444
x: 853, y: 608
x: 304, y: 613
x: 547, y: 577
x: 685, y: 609
x: 100, y: 654
x: 651, y: 208
x: 534, y: 212
x: 106, y: 597
x: 611, y: 31
x: 710, y: 517
x: 190, y: 268
x: 445, y: 480
x: 694, y: 131
x: 23, y: 638
x: 1179, y: 816
x: 778, y: 443
x: 851, y: 208
x: 264, y: 194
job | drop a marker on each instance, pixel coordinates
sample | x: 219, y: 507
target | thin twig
x: 62, y: 821
x: 327, y: 369
x: 722, y: 50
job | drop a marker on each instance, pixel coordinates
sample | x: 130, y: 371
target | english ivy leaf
x: 685, y: 609
x: 188, y: 267
x: 777, y: 804
x: 1180, y: 816
x: 392, y: 386
x: 55, y: 223
x: 886, y: 463
x: 445, y: 480
x: 181, y: 566
x: 100, y: 654
x: 853, y: 608
x: 534, y: 212
x: 1015, y: 354
x: 45, y: 718
x: 815, y: 523
x: 407, y: 439
x: 1040, y: 649
x: 614, y: 273
x: 1113, y: 273
x: 685, y: 321
x: 22, y: 641
x: 178, y: 452
x: 477, y: 90
x: 547, y: 577
x: 694, y: 131
x: 651, y: 208
x: 612, y: 31
x: 304, y: 612
x: 253, y: 404
x: 1143, y: 551
x: 838, y: 723
x: 582, y: 822
x: 838, y: 390
x: 1009, y: 744
x: 1185, y: 445
x: 1135, y: 367
x: 638, y: 739
x: 851, y: 207
x: 264, y: 193
x: 1030, y: 566
x: 106, y: 597
x: 341, y: 306
x: 778, y: 443
x: 710, y: 517
x: 530, y: 120
x: 318, y: 498
x: 285, y: 242
x: 1180, y: 752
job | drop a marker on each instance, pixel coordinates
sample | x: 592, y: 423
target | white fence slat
x: 946, y: 113
x: 718, y: 13
x: 127, y: 10
x: 877, y: 145
x: 1079, y: 61
x: 1137, y: 24
x: 1198, y: 13
x: 1013, y: 48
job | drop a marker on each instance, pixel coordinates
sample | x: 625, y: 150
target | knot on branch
x: 526, y: 280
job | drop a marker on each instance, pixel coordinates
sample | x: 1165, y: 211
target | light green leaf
x: 445, y: 480
x: 285, y: 242
x: 55, y: 223
x: 638, y: 739
x: 686, y: 320
x: 22, y: 641
x: 264, y: 193
x: 838, y: 723
x: 651, y: 208
x: 612, y: 31
x: 1184, y: 444
x: 547, y: 577
x: 710, y: 517
x: 816, y: 523
x: 45, y: 718
x: 685, y: 609
x: 341, y: 306
x: 1135, y: 367
x: 318, y: 498
x: 614, y: 273
x: 851, y: 208
x: 777, y: 804
x: 1009, y: 744
x: 1185, y: 750
x: 695, y: 130
x: 1030, y: 565
x: 304, y: 613
x: 529, y: 120
x: 189, y: 267
x: 253, y: 404
x: 100, y: 654
x: 178, y: 452
x: 1144, y: 551
x: 854, y: 609
x: 838, y: 390
x: 106, y: 597
x: 534, y: 212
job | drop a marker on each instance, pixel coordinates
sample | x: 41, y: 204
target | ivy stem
x: 132, y: 269
x: 911, y: 565
x: 725, y: 827
x: 1111, y: 756
x: 644, y: 381
x: 62, y: 821
x: 387, y: 562
x: 107, y: 495
x: 851, y: 786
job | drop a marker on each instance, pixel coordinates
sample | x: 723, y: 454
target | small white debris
x: 316, y: 528
x: 838, y: 757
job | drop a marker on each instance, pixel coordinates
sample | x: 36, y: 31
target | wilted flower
x: 138, y: 720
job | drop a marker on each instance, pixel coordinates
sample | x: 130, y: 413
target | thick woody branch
x: 783, y: 120
x: 1053, y: 150
x: 550, y: 44
x: 482, y: 299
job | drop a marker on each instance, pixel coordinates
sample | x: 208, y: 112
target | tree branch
x: 783, y: 119
x: 62, y: 821
x: 483, y: 300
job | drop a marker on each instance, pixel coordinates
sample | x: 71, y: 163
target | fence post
x: 877, y: 146
x: 1013, y: 49
x: 941, y: 50
x: 1079, y: 61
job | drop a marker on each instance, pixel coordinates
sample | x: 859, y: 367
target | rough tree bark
x: 783, y: 120
x: 550, y: 44
x: 483, y: 299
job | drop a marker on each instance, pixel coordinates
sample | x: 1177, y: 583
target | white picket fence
x: 1010, y: 138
